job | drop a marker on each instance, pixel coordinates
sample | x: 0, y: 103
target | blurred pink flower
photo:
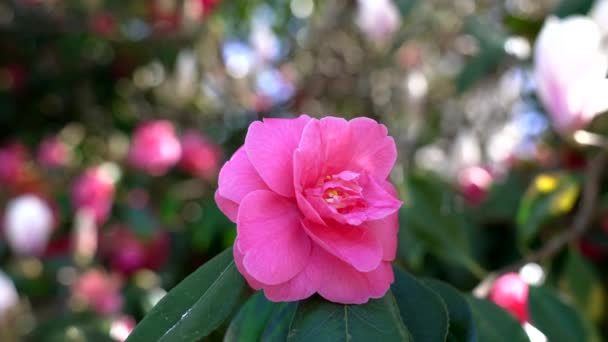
x: 200, y: 156
x: 28, y: 225
x: 99, y: 290
x: 314, y: 209
x: 510, y: 292
x: 474, y: 183
x: 52, y: 152
x: 9, y: 298
x: 129, y: 253
x: 378, y: 19
x: 570, y: 70
x: 122, y: 327
x: 13, y: 158
x: 155, y: 148
x: 94, y: 191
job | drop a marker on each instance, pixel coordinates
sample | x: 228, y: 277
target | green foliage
x: 493, y: 323
x: 208, y: 295
x: 319, y: 320
x: 462, y: 327
x: 554, y: 317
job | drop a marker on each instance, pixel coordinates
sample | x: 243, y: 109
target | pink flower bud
x: 378, y: 19
x: 474, y: 183
x: 52, y: 153
x: 155, y: 148
x: 28, y: 224
x: 94, y: 191
x: 200, y: 156
x: 99, y: 290
x: 511, y: 293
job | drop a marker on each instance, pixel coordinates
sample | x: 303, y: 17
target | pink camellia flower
x: 474, y: 183
x: 570, y: 71
x: 510, y: 292
x: 28, y: 225
x: 200, y: 156
x: 52, y: 153
x: 12, y: 162
x: 155, y: 148
x: 99, y: 290
x: 378, y: 19
x: 314, y: 209
x: 94, y: 191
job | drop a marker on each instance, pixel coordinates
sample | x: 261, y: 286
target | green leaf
x: 582, y: 283
x: 422, y: 310
x: 570, y: 7
x: 556, y: 319
x: 548, y: 196
x: 319, y: 320
x: 197, y: 305
x: 431, y: 215
x: 462, y: 327
x: 259, y: 318
x: 405, y: 6
x: 503, y: 198
x: 493, y: 323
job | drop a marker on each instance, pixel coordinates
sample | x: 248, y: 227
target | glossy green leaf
x: 319, y: 320
x: 493, y: 323
x: 422, y: 310
x: 557, y: 320
x: 462, y: 327
x: 431, y: 215
x: 261, y: 319
x: 548, y: 196
x: 197, y: 305
x: 580, y: 280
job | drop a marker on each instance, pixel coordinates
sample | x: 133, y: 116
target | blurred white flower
x: 28, y: 224
x: 8, y: 294
x: 570, y: 71
x: 378, y: 19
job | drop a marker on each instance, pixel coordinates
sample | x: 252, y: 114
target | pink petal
x: 381, y: 203
x: 302, y: 286
x: 341, y: 283
x: 270, y: 146
x: 238, y: 177
x: 307, y: 209
x: 373, y: 150
x: 228, y: 207
x: 270, y: 235
x: 354, y: 245
x: 325, y: 149
x: 386, y: 229
x: 238, y: 260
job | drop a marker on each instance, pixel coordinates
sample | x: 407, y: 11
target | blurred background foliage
x: 484, y: 179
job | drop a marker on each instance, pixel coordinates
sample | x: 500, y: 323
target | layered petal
x: 373, y: 150
x: 380, y: 202
x: 238, y: 177
x: 270, y: 236
x: 352, y: 244
x: 228, y: 207
x: 341, y: 283
x: 386, y: 229
x: 270, y: 146
x: 238, y: 261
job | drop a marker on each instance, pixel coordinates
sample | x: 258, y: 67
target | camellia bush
x: 390, y: 170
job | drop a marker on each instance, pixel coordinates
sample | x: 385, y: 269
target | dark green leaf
x: 430, y: 214
x: 319, y: 320
x: 259, y: 317
x: 580, y: 280
x: 556, y: 319
x: 405, y: 6
x: 571, y: 7
x: 462, y: 327
x: 548, y: 196
x: 493, y: 323
x: 422, y: 310
x: 197, y: 305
